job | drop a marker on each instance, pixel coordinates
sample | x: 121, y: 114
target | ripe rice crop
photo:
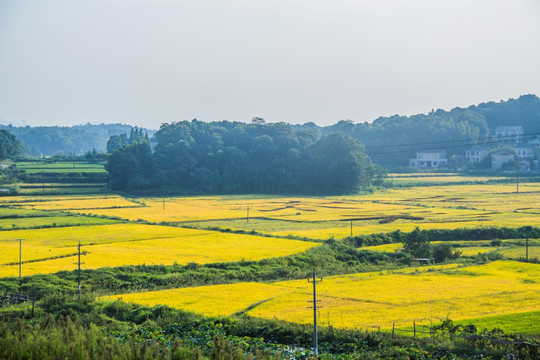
x: 238, y: 297
x: 79, y: 203
x: 434, y: 207
x: 66, y: 188
x: 371, y: 300
x: 135, y: 244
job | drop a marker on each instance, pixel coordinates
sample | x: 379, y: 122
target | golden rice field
x: 372, y: 300
x: 317, y: 218
x: 451, y: 207
x: 440, y: 178
x: 132, y: 244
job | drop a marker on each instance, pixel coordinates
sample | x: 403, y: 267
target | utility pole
x: 527, y: 249
x: 163, y: 203
x: 517, y: 180
x: 351, y: 228
x: 20, y: 258
x: 79, y: 271
x: 247, y: 216
x: 315, y: 307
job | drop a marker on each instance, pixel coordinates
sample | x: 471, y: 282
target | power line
x: 471, y: 143
x: 501, y: 138
x: 450, y: 144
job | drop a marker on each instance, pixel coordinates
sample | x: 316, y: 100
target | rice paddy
x: 48, y: 250
x: 56, y: 167
x: 373, y: 300
x: 319, y: 218
x: 117, y: 231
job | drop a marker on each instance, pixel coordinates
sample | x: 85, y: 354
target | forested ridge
x: 40, y: 141
x: 391, y: 141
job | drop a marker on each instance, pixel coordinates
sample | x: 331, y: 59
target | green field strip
x: 16, y: 213
x: 52, y: 221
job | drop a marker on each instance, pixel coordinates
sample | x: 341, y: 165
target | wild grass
x: 511, y: 249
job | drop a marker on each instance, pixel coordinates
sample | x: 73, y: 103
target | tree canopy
x: 234, y: 157
x: 9, y: 145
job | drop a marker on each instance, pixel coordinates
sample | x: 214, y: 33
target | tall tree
x: 9, y: 145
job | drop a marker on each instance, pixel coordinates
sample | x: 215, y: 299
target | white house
x: 429, y: 159
x: 476, y: 154
x: 500, y: 158
x: 508, y: 134
x: 524, y: 151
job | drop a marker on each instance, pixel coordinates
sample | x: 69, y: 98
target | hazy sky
x: 145, y: 62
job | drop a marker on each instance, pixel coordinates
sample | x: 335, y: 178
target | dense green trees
x: 131, y: 167
x: 233, y: 157
x: 9, y: 145
x: 391, y: 141
x: 338, y: 162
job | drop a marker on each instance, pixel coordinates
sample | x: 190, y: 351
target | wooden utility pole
x: 351, y: 228
x: 315, y: 307
x: 517, y: 180
x: 20, y: 258
x: 163, y: 203
x: 79, y: 271
x: 527, y: 249
x: 247, y: 216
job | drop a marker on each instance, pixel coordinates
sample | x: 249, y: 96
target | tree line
x: 234, y: 157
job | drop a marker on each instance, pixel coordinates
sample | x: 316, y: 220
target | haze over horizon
x: 143, y: 62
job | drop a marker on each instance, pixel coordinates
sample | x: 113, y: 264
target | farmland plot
x: 372, y: 300
x: 53, y: 249
x: 64, y: 167
x: 321, y: 218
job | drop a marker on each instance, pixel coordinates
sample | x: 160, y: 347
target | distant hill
x: 524, y: 111
x: 391, y: 141
x: 79, y: 139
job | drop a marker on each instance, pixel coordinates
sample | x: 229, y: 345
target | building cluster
x: 510, y: 142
